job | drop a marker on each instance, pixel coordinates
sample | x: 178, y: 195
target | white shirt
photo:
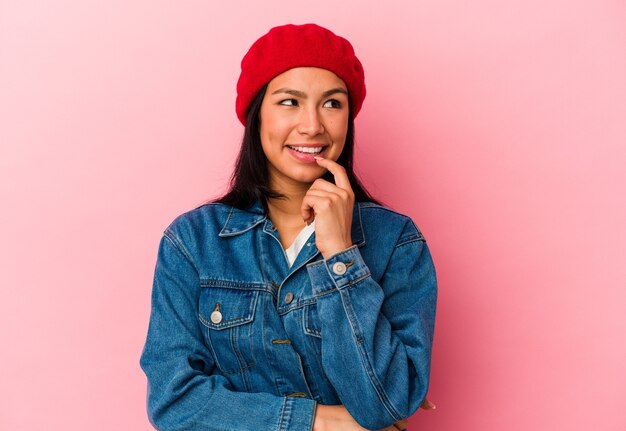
x: 294, y: 249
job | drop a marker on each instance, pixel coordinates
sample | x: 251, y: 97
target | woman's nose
x: 310, y: 122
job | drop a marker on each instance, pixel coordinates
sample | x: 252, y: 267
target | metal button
x: 339, y: 268
x: 216, y: 317
x: 288, y: 298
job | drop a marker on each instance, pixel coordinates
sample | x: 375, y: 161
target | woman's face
x: 304, y: 110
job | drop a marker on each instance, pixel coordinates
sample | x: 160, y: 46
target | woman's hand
x: 330, y: 205
x: 427, y: 405
x: 337, y: 418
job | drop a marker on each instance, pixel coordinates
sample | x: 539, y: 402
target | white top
x: 294, y: 249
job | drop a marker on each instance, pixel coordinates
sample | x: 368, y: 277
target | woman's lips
x: 304, y: 157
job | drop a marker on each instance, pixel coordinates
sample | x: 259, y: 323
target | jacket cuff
x: 338, y: 271
x: 298, y: 414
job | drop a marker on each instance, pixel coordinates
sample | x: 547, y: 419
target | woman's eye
x: 332, y: 104
x: 289, y: 102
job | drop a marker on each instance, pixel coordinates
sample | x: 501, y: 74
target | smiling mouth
x: 307, y: 150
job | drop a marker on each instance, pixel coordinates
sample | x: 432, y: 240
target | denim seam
x: 217, y: 362
x: 382, y: 396
x: 306, y: 323
x: 234, y: 344
x: 264, y: 347
x: 304, y: 376
x: 238, y: 285
x: 343, y: 286
x: 177, y: 243
x: 282, y: 415
x: 231, y: 232
x: 226, y: 325
x: 235, y: 284
x: 233, y: 328
x: 408, y: 242
x: 236, y: 321
x: 313, y: 416
x: 380, y: 390
x: 387, y: 209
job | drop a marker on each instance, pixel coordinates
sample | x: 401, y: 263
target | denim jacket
x: 239, y: 340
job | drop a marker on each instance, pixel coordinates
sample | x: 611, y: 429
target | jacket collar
x: 240, y: 221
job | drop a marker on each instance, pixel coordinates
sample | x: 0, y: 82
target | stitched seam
x: 410, y: 241
x: 306, y: 322
x: 284, y: 309
x: 243, y: 365
x: 228, y: 219
x: 235, y: 284
x: 382, y: 396
x: 178, y: 245
x: 226, y: 324
x: 355, y: 281
x: 313, y: 331
x: 313, y: 416
x: 282, y: 414
x: 217, y: 362
x: 384, y: 208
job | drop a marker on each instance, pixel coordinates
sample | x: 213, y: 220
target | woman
x: 296, y: 301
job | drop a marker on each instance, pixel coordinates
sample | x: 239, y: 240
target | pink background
x: 499, y: 126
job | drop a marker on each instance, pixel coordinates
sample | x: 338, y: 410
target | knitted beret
x: 289, y: 46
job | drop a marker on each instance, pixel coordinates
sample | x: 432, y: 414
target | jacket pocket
x: 228, y: 315
x: 310, y: 321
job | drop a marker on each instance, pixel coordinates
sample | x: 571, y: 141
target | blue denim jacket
x: 238, y: 340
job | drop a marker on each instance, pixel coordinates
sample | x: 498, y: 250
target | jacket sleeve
x: 377, y: 337
x: 183, y: 394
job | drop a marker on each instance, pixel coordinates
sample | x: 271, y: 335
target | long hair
x: 250, y: 179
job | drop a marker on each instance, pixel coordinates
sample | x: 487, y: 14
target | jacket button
x: 216, y: 317
x: 339, y: 268
x: 288, y: 298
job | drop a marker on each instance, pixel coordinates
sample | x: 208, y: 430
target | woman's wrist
x: 336, y: 249
x: 324, y: 414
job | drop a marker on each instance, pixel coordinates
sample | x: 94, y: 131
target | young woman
x: 296, y: 301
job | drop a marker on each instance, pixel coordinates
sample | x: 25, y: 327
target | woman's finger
x: 402, y: 424
x: 313, y: 198
x: 322, y: 184
x: 427, y: 405
x: 338, y: 171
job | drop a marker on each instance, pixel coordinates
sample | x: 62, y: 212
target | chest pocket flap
x: 228, y: 315
x: 223, y: 308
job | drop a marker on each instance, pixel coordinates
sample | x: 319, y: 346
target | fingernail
x: 318, y: 157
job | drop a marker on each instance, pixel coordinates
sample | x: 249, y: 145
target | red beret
x: 289, y: 46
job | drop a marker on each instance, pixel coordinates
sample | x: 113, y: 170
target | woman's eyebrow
x: 334, y: 91
x: 291, y: 91
x: 303, y: 95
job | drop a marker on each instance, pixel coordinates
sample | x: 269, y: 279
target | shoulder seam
x: 380, y: 207
x: 178, y: 244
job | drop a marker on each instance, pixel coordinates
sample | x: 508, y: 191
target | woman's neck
x: 286, y: 212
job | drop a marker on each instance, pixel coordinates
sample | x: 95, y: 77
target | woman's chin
x: 307, y: 175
